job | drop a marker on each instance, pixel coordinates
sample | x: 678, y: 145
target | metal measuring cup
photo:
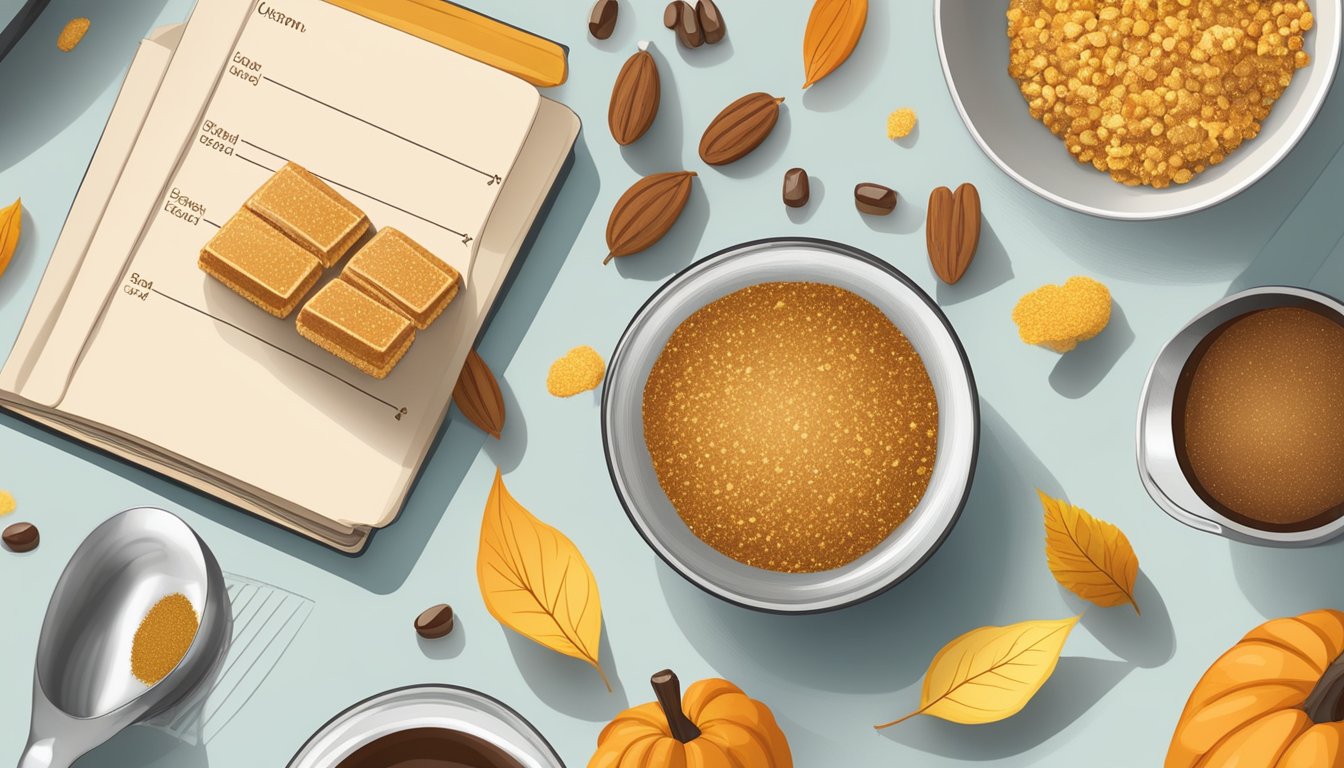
x: 1158, y: 462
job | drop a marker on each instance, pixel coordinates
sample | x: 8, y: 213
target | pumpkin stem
x: 667, y: 688
x: 1326, y: 702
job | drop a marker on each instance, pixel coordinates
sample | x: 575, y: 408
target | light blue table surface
x: 1065, y: 425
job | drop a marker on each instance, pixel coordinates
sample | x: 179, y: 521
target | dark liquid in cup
x: 1259, y: 419
x: 429, y: 748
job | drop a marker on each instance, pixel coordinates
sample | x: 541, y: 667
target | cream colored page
x: 412, y: 133
x: 538, y: 166
x: 114, y: 147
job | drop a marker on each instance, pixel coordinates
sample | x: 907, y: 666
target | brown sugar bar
x: 355, y: 327
x: 399, y: 272
x: 310, y: 213
x: 261, y: 264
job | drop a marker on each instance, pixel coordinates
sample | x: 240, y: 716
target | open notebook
x: 130, y: 347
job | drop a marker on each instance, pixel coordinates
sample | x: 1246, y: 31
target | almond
x: 602, y: 19
x: 711, y: 21
x: 477, y: 396
x: 635, y: 97
x: 953, y: 231
x: 646, y: 211
x: 740, y: 128
x: 688, y: 28
x: 672, y: 14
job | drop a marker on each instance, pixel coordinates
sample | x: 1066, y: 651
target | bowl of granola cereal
x: 1138, y: 109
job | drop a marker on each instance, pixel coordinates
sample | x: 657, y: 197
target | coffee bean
x: 672, y: 14
x: 688, y: 28
x: 797, y: 188
x: 602, y: 21
x: 711, y: 21
x: 874, y: 199
x: 435, y: 622
x: 20, y: 537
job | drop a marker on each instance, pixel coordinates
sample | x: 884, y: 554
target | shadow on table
x: 147, y: 748
x: 1285, y: 582
x: 816, y: 194
x: 885, y: 644
x: 394, y: 551
x: 990, y: 268
x: 706, y: 55
x: 1314, y: 176
x: 570, y: 685
x: 910, y: 139
x: 1076, y: 686
x: 44, y: 89
x: 1147, y: 640
x: 907, y: 219
x: 449, y: 647
x: 1080, y: 371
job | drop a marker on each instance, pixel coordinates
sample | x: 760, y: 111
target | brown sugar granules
x: 1258, y: 418
x: 73, y: 32
x: 792, y: 425
x: 163, y: 638
x: 1154, y: 91
x: 580, y: 370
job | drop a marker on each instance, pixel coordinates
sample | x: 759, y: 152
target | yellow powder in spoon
x: 163, y: 638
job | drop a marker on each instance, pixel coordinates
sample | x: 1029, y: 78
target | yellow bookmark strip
x: 534, y: 59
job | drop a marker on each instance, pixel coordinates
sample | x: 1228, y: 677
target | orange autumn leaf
x: 535, y: 582
x: 1090, y: 557
x: 833, y: 29
x: 11, y: 222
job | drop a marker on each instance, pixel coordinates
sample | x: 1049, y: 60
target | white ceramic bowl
x: 973, y: 44
x: 791, y: 260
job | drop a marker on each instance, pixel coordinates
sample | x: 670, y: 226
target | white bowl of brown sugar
x: 791, y: 425
x: 1134, y: 110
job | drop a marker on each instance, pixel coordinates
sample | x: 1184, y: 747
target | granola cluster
x: 1154, y: 91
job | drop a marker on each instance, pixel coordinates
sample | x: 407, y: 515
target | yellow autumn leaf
x: 535, y: 582
x: 11, y: 222
x: 833, y: 29
x: 1089, y: 557
x: 989, y: 674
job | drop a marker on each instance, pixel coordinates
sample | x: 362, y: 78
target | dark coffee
x: 429, y: 748
x: 1259, y: 419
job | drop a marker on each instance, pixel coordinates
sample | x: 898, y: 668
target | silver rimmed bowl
x: 973, y: 44
x: 791, y: 260
x: 1158, y: 455
x: 429, y: 706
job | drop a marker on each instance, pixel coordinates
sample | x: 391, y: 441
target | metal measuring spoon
x: 83, y: 689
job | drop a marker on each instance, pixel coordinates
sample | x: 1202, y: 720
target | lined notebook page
x: 421, y: 138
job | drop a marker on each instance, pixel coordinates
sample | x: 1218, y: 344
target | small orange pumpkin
x: 715, y: 726
x: 1272, y: 701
